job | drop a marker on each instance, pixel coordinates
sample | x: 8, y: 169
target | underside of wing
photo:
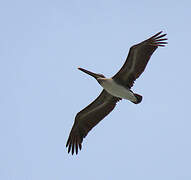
x: 138, y: 58
x: 89, y: 117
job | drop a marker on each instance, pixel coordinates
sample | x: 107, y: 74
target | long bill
x: 90, y: 73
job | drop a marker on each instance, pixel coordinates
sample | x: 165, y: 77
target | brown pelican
x: 114, y: 89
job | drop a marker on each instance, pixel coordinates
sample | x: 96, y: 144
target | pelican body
x: 118, y: 90
x: 115, y: 89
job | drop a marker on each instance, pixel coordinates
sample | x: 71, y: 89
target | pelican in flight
x: 114, y: 89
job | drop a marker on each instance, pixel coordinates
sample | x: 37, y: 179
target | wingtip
x: 80, y: 146
x: 158, y: 35
x: 159, y: 32
x: 158, y: 40
x: 69, y: 148
x: 73, y: 146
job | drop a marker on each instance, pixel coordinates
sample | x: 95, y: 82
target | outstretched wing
x: 89, y: 117
x: 138, y: 58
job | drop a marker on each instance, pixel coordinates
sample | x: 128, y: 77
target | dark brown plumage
x: 137, y: 59
x: 88, y: 118
x: 133, y: 67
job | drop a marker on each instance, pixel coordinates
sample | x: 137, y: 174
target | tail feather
x: 139, y: 98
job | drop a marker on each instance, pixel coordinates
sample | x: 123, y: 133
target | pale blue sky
x: 41, y: 45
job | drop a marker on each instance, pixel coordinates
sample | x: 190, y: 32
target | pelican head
x: 96, y: 76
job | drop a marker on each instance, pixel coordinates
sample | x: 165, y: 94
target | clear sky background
x: 41, y: 45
